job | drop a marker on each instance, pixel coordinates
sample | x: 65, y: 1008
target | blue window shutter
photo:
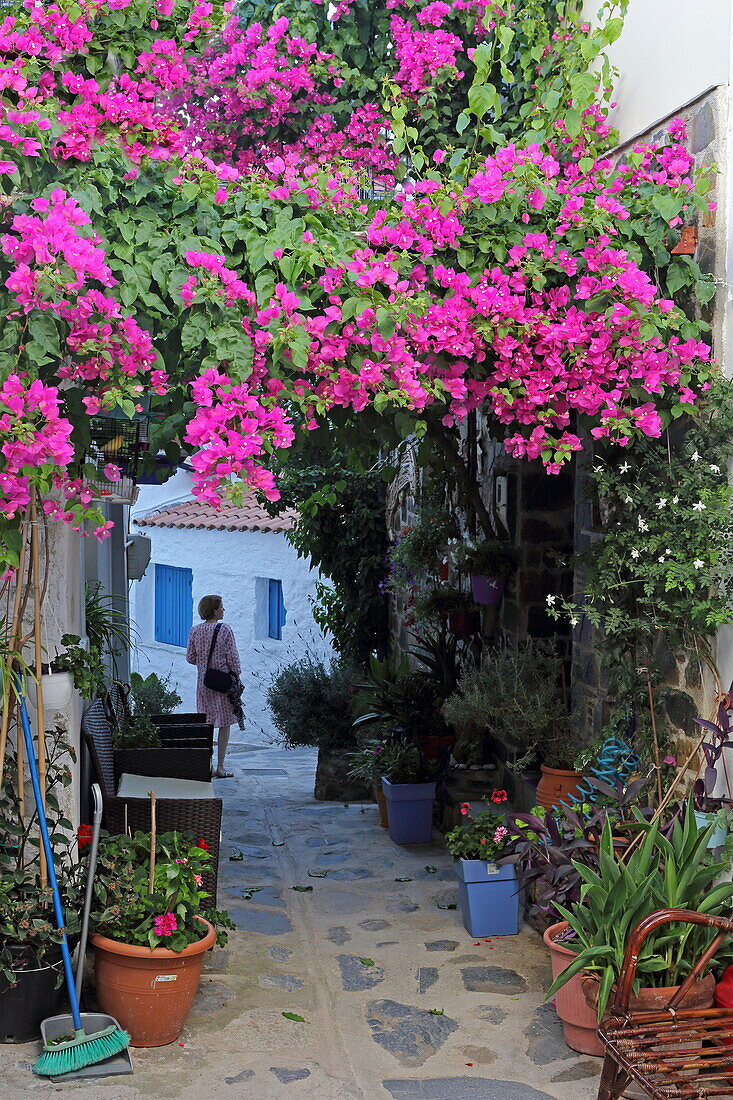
x: 173, y: 604
x: 275, y: 610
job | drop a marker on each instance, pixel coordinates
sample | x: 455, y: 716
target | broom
x: 83, y: 1049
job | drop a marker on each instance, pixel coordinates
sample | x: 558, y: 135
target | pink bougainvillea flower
x: 112, y: 472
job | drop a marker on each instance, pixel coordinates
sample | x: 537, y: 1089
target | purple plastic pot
x: 487, y: 590
x: 409, y: 811
x: 491, y: 901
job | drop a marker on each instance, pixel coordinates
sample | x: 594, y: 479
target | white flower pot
x: 57, y: 688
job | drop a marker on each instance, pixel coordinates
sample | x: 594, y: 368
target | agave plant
x: 663, y: 872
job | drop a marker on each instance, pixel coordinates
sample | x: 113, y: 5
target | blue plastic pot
x: 491, y: 901
x: 409, y: 811
x: 718, y: 835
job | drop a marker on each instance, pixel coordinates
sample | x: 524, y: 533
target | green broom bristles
x: 82, y: 1050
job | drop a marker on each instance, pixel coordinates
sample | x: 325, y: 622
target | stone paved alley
x: 436, y: 1017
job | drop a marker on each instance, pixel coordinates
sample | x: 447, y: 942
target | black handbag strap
x: 213, y: 643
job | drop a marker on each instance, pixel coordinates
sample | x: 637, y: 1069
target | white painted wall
x: 228, y: 563
x: 669, y: 53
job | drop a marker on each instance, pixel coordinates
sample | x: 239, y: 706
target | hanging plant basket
x: 115, y: 449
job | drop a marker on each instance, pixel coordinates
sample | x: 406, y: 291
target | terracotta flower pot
x: 382, y: 804
x: 463, y: 623
x: 557, y: 785
x: 149, y: 991
x: 578, y: 1018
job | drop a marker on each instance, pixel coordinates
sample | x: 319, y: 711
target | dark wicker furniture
x: 202, y: 816
x: 672, y: 1053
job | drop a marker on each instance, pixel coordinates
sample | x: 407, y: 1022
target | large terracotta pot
x: 382, y: 804
x: 150, y: 991
x: 557, y: 785
x: 578, y: 1017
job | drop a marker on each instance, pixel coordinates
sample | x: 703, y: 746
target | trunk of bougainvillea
x: 468, y: 487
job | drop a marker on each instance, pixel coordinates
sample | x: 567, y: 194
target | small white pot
x: 57, y: 688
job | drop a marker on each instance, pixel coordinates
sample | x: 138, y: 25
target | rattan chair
x: 672, y: 1053
x: 193, y: 807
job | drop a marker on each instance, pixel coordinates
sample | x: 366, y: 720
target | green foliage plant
x: 404, y: 763
x: 125, y: 909
x: 663, y: 872
x: 486, y: 557
x: 152, y: 694
x: 311, y: 703
x: 341, y: 529
x: 408, y: 701
x: 105, y: 624
x: 138, y: 733
x: 514, y: 694
x: 85, y: 665
x: 433, y: 605
x: 367, y: 763
x: 29, y: 937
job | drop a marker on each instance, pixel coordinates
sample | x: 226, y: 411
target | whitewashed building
x: 238, y: 552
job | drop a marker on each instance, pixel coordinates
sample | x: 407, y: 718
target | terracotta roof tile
x: 195, y: 514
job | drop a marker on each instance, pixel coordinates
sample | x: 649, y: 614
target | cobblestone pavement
x: 340, y: 926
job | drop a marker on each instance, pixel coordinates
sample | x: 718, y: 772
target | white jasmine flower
x: 551, y: 600
x: 699, y: 507
x: 624, y: 469
x: 597, y: 469
x: 628, y: 500
x: 698, y: 563
x: 662, y: 502
x: 715, y: 469
x: 643, y: 526
x: 695, y: 456
x: 675, y: 500
x: 574, y: 621
x: 635, y: 554
x: 661, y: 558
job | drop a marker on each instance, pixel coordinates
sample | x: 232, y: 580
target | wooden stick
x: 40, y: 714
x: 8, y: 661
x: 657, y: 760
x: 151, y: 876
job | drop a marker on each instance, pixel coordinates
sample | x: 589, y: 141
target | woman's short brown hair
x: 208, y: 605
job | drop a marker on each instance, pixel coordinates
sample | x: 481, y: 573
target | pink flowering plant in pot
x: 169, y: 915
x: 490, y: 894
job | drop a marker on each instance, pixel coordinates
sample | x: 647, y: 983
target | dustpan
x: 55, y: 1026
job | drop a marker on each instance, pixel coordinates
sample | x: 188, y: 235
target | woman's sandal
x: 219, y: 774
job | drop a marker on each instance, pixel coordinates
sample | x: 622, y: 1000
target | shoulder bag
x: 214, y: 678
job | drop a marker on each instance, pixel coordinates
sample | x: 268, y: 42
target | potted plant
x: 366, y: 767
x: 311, y: 704
x: 30, y: 957
x: 489, y: 563
x: 560, y: 778
x: 152, y: 694
x: 151, y: 930
x: 408, y: 782
x: 137, y: 732
x: 490, y: 897
x: 447, y: 604
x: 663, y: 872
x: 711, y: 811
x: 84, y: 665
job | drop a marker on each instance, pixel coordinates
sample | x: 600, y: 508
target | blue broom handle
x: 43, y: 826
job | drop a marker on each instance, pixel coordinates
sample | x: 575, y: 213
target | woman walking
x: 220, y: 707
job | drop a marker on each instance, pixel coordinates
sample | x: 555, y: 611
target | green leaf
x: 278, y: 843
x: 294, y: 1017
x: 302, y: 889
x: 250, y: 891
x: 317, y: 874
x: 367, y: 962
x: 431, y: 870
x: 404, y: 878
x: 443, y: 905
x: 436, y: 1011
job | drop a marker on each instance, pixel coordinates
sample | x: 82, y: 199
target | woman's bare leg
x: 222, y: 743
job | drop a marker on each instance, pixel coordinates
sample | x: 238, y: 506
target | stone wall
x: 688, y: 692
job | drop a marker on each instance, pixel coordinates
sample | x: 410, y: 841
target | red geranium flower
x: 499, y: 796
x: 84, y: 836
x: 204, y: 844
x: 465, y: 808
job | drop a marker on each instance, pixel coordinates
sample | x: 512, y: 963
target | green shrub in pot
x: 311, y: 703
x: 662, y: 872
